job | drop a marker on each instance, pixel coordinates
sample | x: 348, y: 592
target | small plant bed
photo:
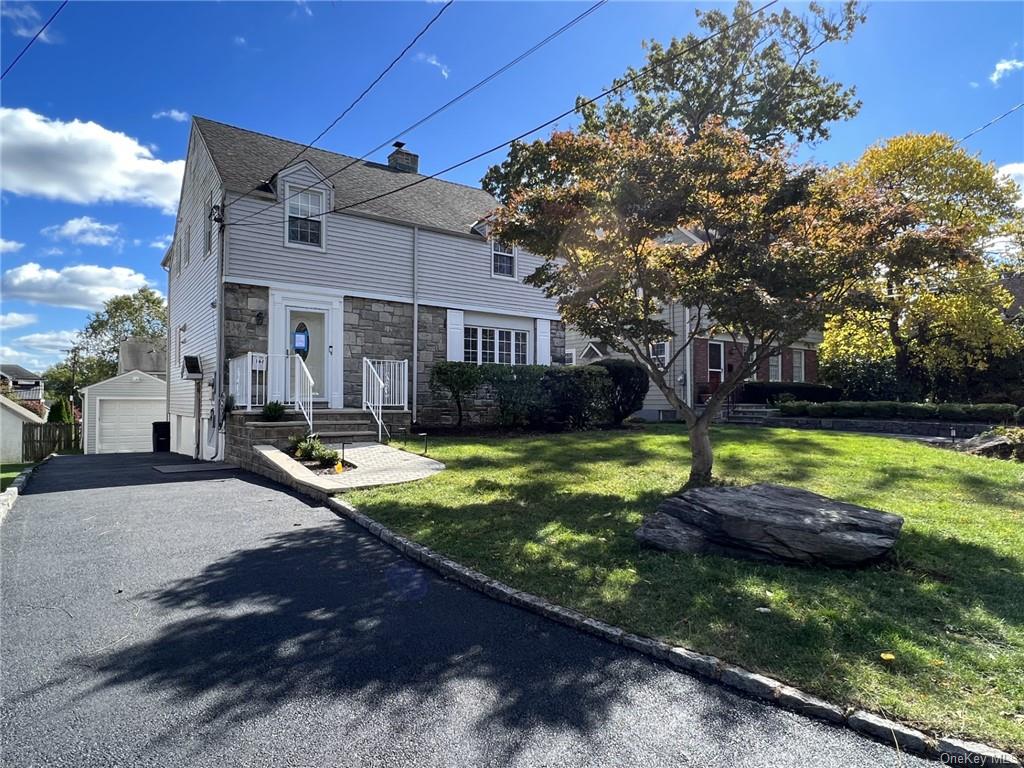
x: 311, y: 453
x: 932, y: 636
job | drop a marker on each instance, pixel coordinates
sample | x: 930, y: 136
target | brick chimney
x: 403, y: 160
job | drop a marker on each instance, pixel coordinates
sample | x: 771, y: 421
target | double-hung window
x: 503, y: 259
x: 495, y: 345
x: 660, y: 352
x: 716, y: 360
x: 775, y: 368
x: 798, y: 366
x: 305, y: 217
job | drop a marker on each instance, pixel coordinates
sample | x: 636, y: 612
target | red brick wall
x: 811, y: 366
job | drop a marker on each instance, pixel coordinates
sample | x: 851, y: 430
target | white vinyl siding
x: 192, y: 293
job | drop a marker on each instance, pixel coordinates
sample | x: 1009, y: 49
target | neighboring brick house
x: 283, y: 253
x: 703, y: 364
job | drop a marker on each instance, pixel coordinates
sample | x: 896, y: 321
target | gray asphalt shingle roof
x: 17, y: 372
x: 245, y: 158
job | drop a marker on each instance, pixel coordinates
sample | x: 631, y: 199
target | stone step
x: 349, y: 436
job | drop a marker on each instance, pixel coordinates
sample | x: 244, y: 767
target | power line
x: 35, y: 37
x: 361, y: 96
x: 607, y: 92
x: 479, y: 84
x: 991, y: 122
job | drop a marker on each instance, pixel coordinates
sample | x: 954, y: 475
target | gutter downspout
x: 415, y: 319
x: 218, y: 393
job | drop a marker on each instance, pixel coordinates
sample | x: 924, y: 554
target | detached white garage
x: 119, y: 413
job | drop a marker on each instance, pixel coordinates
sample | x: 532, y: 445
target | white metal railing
x: 247, y: 380
x: 302, y: 389
x: 394, y: 375
x: 254, y: 376
x: 373, y: 397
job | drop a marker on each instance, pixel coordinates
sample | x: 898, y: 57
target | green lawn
x: 8, y: 472
x: 555, y: 515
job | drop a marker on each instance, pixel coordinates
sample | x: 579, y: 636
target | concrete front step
x: 366, y: 436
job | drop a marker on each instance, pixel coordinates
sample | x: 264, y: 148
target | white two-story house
x: 301, y: 280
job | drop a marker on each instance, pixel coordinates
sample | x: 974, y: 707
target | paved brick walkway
x: 378, y: 464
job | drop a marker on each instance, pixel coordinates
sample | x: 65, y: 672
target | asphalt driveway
x: 215, y: 619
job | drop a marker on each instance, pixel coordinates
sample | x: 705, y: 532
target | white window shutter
x: 543, y: 342
x: 455, y: 323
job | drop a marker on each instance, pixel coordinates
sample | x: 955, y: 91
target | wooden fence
x: 40, y: 440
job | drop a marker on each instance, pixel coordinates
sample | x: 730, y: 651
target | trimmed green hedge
x: 989, y: 413
x: 773, y: 391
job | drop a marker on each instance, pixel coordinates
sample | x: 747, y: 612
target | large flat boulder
x: 771, y: 522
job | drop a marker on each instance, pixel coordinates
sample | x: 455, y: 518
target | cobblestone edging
x: 10, y: 494
x: 949, y: 751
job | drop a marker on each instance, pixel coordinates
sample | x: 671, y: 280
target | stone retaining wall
x: 881, y: 426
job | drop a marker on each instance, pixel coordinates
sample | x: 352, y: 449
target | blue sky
x: 87, y: 204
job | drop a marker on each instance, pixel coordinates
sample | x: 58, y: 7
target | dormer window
x: 305, y: 217
x: 503, y: 259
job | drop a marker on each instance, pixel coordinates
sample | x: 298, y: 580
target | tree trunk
x: 701, y: 456
x: 458, y: 407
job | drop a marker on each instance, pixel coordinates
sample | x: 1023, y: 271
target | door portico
x: 314, y: 321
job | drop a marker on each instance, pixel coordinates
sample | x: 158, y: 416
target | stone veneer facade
x: 245, y: 319
x: 376, y: 329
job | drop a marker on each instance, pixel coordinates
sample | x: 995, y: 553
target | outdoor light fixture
x: 259, y: 318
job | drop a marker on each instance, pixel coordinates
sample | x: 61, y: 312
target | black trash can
x: 161, y: 436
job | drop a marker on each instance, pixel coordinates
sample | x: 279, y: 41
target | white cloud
x: 48, y: 341
x: 171, y: 114
x: 974, y: 84
x: 33, y: 361
x: 162, y: 243
x: 240, y: 41
x: 10, y: 320
x: 433, y: 61
x: 304, y: 7
x: 82, y: 162
x: 1015, y: 171
x: 1003, y: 68
x: 10, y: 246
x: 53, y: 251
x: 84, y: 231
x: 84, y: 286
x: 26, y: 21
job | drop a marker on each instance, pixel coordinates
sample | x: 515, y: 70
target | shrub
x: 1016, y: 437
x: 848, y: 409
x: 577, y: 396
x: 881, y: 409
x: 60, y: 412
x: 518, y: 391
x: 629, y: 386
x: 769, y: 391
x: 918, y: 411
x: 819, y: 410
x: 456, y: 380
x: 793, y: 407
x: 273, y: 411
x: 36, y: 406
x: 860, y: 379
x: 327, y: 457
x: 951, y: 412
x: 1002, y: 413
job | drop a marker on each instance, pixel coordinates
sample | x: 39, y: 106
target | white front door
x: 307, y: 338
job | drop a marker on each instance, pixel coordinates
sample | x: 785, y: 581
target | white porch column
x: 455, y: 324
x: 543, y: 334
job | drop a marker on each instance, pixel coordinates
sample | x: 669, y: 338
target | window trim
x: 514, y: 253
x: 721, y: 360
x: 188, y: 245
x: 322, y: 248
x: 663, y: 359
x: 495, y: 340
x: 803, y: 366
x: 775, y: 361
x: 570, y: 356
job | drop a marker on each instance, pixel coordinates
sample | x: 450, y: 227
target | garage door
x: 127, y: 425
